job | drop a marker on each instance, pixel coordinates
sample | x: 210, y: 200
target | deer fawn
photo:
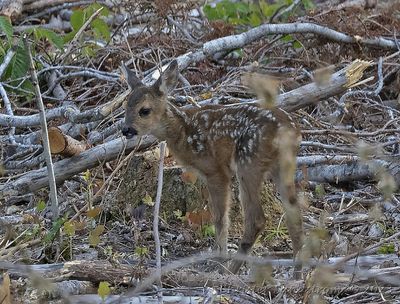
x: 218, y: 141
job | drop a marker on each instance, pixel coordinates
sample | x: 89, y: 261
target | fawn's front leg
x: 250, y: 179
x: 219, y: 202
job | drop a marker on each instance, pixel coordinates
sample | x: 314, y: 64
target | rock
x: 375, y: 230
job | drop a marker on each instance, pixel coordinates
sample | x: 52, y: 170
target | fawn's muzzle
x: 129, y: 132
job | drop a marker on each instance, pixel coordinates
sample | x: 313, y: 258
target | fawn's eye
x: 144, y: 112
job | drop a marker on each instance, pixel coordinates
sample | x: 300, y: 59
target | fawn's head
x: 146, y: 105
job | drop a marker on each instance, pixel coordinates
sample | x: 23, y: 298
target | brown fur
x: 219, y: 141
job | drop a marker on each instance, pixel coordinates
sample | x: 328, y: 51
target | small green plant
x: 41, y: 205
x: 387, y: 249
x: 179, y: 215
x: 88, y: 190
x: 147, y: 200
x: 248, y: 12
x: 320, y: 191
x: 47, y: 35
x: 19, y: 63
x: 94, y: 235
x: 104, y: 290
x: 34, y: 232
x: 108, y: 251
x: 69, y: 230
x: 236, y: 13
x: 98, y: 28
x: 6, y: 27
x: 243, y: 13
x: 389, y: 231
x: 141, y: 252
x: 208, y: 230
x: 280, y: 232
x: 54, y: 231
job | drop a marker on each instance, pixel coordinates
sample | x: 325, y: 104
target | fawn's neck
x: 174, y: 125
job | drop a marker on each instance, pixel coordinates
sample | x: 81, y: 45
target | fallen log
x: 66, y: 168
x: 349, y: 172
x: 63, y: 144
x: 311, y: 93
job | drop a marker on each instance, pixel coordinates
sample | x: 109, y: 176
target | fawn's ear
x: 168, y: 78
x: 130, y: 77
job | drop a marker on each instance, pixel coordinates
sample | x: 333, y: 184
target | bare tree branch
x: 45, y: 134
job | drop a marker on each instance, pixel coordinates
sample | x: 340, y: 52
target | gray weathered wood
x: 66, y: 168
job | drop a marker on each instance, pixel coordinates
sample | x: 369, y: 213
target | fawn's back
x: 215, y: 136
x: 218, y: 141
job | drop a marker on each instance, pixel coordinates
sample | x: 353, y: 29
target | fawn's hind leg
x: 250, y: 181
x: 220, y: 200
x: 283, y: 175
x: 294, y: 220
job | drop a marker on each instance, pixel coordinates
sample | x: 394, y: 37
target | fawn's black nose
x: 129, y: 132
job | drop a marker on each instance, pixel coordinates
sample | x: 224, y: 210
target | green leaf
x: 69, y: 228
x: 268, y: 10
x: 242, y: 8
x: 104, y: 290
x: 297, y: 45
x: 40, y: 206
x: 6, y: 27
x: 68, y: 37
x: 93, y: 212
x: 94, y: 240
x: 28, y: 86
x: 94, y: 236
x: 141, y: 251
x: 50, y: 236
x: 54, y: 38
x: 91, y: 9
x: 89, y: 51
x: 51, y: 36
x: 287, y: 38
x: 98, y: 230
x: 210, y: 12
x: 239, y: 53
x: 77, y: 19
x: 228, y: 8
x: 386, y: 249
x: 147, y: 200
x: 236, y: 21
x: 320, y: 191
x: 254, y: 19
x: 101, y: 29
x: 178, y: 214
x: 208, y: 230
x: 19, y: 64
x: 86, y: 175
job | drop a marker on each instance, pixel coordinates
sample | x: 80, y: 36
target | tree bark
x: 11, y: 8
